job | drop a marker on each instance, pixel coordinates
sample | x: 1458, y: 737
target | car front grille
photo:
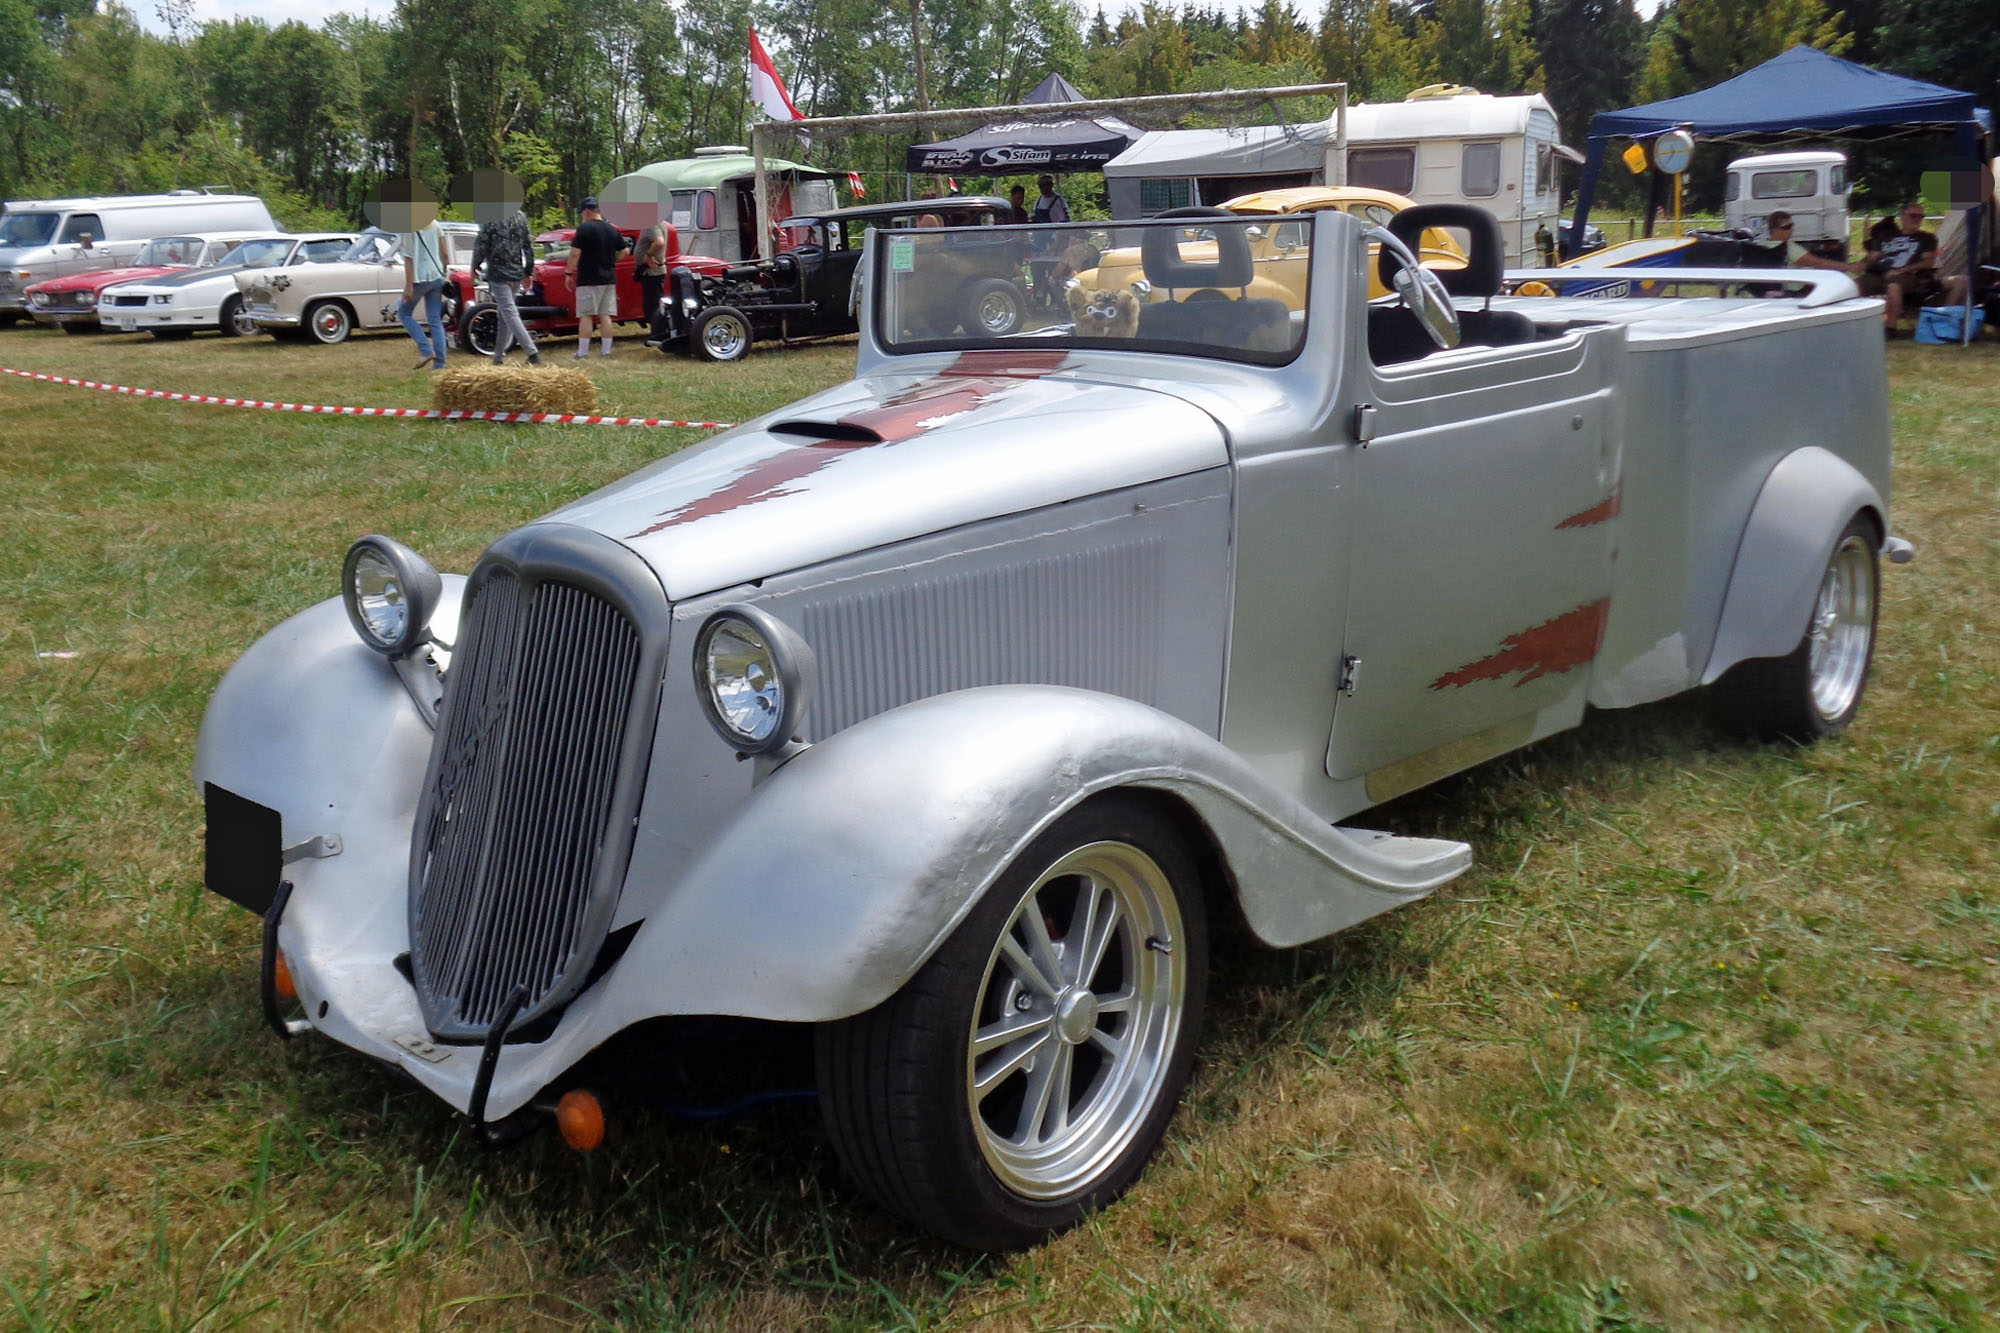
x: 128, y: 300
x: 525, y: 826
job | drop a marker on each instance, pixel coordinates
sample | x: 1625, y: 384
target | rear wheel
x: 232, y: 320
x: 994, y: 308
x: 329, y: 322
x: 721, y: 333
x: 1024, y: 1076
x: 1815, y: 690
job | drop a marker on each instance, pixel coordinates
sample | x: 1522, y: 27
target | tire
x: 231, y: 321
x: 328, y: 322
x: 994, y: 308
x: 1815, y: 690
x: 8, y: 317
x: 172, y: 335
x: 897, y: 1089
x: 721, y: 333
x: 479, y: 331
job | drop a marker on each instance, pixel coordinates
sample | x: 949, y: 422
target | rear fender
x: 1805, y: 503
x: 850, y: 864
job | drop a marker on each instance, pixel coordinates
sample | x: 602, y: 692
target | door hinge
x: 1364, y: 424
x: 1350, y: 673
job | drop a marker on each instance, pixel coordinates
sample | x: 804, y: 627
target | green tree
x: 1590, y: 55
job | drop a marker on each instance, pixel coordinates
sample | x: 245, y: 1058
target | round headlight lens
x: 743, y: 678
x: 390, y: 593
x: 751, y: 671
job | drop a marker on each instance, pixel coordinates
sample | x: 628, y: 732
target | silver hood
x: 891, y: 457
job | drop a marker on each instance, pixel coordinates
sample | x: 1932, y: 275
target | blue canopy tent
x: 1802, y: 92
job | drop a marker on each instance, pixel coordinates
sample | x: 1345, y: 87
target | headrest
x: 1160, y: 253
x: 1486, y: 254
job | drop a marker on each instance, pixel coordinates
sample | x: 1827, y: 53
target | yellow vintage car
x: 1279, y: 253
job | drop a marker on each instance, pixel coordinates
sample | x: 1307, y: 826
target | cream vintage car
x: 1277, y: 249
x: 931, y: 719
x: 178, y: 305
x: 359, y: 291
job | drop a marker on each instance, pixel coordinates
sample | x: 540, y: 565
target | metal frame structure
x: 926, y: 120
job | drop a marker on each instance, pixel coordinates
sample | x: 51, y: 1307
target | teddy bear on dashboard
x: 1112, y: 312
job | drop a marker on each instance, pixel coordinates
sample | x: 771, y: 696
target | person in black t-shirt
x: 593, y: 258
x: 1901, y: 269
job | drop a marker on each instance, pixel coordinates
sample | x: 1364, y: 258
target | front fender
x: 1805, y: 503
x: 850, y: 864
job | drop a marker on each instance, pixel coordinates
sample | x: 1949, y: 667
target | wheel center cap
x: 1076, y: 1015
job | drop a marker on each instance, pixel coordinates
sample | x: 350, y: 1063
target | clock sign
x: 1673, y: 151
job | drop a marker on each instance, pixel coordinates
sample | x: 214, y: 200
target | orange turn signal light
x: 281, y: 979
x: 580, y: 1119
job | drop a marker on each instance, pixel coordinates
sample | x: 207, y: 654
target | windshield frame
x: 194, y: 245
x: 245, y: 255
x: 372, y: 247
x: 1122, y: 237
x: 28, y: 239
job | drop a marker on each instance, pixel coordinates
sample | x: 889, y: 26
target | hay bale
x: 490, y: 388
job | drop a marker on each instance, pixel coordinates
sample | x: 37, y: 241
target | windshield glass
x: 168, y: 251
x: 25, y: 229
x: 261, y: 254
x: 1214, y: 288
x: 373, y: 248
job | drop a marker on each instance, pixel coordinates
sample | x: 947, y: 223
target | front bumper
x: 56, y: 318
x: 133, y: 319
x: 271, y: 319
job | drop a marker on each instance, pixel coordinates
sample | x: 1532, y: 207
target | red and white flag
x: 767, y: 90
x: 854, y: 184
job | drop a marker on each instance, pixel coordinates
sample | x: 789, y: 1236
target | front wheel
x: 1815, y: 690
x: 233, y: 321
x: 721, y: 333
x: 1024, y: 1076
x: 329, y: 323
x: 479, y: 331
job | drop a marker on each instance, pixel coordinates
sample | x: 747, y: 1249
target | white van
x: 52, y: 238
x: 1443, y: 145
x: 1812, y: 187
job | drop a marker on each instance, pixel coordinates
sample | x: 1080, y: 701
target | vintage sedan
x: 358, y: 291
x: 939, y: 714
x: 180, y: 304
x: 1277, y: 253
x: 812, y: 289
x: 70, y: 303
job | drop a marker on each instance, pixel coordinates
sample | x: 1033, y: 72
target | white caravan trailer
x: 1444, y: 145
x: 1448, y: 145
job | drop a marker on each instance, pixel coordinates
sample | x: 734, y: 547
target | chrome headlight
x: 754, y: 676
x: 390, y: 592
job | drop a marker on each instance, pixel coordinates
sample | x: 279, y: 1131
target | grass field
x: 1706, y: 1039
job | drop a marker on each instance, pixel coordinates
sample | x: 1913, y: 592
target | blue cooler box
x: 1944, y: 323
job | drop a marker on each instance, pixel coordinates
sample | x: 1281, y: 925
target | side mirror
x: 84, y: 240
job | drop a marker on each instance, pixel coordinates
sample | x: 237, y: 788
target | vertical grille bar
x: 525, y: 827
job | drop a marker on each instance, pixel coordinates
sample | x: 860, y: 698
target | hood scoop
x: 832, y: 432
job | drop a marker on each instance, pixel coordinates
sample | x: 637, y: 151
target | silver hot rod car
x: 941, y: 712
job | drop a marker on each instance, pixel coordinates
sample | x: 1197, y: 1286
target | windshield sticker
x: 902, y: 256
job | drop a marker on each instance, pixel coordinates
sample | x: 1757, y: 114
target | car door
x: 73, y: 254
x: 1481, y: 536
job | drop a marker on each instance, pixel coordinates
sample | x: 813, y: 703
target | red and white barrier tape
x: 420, y: 413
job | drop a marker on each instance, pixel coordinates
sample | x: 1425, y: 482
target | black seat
x: 1484, y: 266
x: 1255, y: 323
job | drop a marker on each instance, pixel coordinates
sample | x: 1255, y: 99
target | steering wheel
x: 1420, y: 289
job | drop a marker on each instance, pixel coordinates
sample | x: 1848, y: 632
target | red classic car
x: 70, y: 303
x: 548, y: 300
